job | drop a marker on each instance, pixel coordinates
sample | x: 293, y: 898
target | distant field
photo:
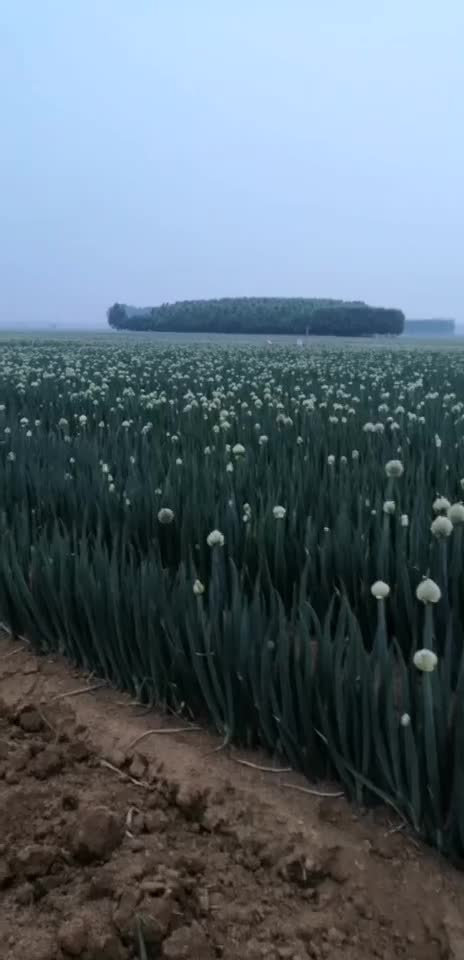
x: 269, y: 539
x: 106, y: 336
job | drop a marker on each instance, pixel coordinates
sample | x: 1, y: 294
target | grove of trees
x: 265, y: 315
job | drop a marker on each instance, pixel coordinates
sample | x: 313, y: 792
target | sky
x: 156, y: 151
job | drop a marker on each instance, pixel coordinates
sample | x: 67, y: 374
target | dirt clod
x: 35, y: 860
x: 72, y: 937
x: 187, y: 942
x: 98, y: 832
x: 12, y: 777
x: 138, y: 767
x: 124, y: 912
x: 193, y: 804
x: 303, y: 870
x: 42, y: 946
x: 102, y: 884
x: 105, y: 945
x: 6, y: 874
x: 70, y: 801
x: 47, y: 763
x: 24, y: 894
x: 157, y: 916
x: 155, y: 820
x: 77, y: 751
x: 30, y: 720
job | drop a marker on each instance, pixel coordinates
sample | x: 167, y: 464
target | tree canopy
x: 265, y: 315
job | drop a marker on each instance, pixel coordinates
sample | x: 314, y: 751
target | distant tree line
x: 265, y: 315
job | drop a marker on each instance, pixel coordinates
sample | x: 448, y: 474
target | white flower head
x: 425, y: 660
x: 428, y: 591
x: 165, y: 515
x: 389, y: 507
x: 380, y: 590
x: 279, y: 512
x: 198, y: 588
x: 404, y: 520
x: 405, y: 720
x: 215, y: 539
x: 238, y: 450
x: 456, y: 513
x: 331, y: 460
x: 440, y: 505
x: 441, y: 527
x: 394, y: 468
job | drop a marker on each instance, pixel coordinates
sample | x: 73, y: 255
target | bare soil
x: 111, y: 851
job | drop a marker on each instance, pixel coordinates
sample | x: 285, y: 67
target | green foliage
x: 117, y: 462
x: 265, y: 315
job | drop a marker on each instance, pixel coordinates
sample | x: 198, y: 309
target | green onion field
x: 268, y: 539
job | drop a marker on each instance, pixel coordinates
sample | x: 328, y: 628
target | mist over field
x: 159, y: 152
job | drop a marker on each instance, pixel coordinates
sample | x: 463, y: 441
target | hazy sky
x: 155, y: 150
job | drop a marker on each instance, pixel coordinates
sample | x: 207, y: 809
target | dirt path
x: 165, y: 849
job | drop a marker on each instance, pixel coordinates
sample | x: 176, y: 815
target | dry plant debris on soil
x: 109, y: 854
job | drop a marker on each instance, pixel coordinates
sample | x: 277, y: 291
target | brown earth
x: 110, y: 851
